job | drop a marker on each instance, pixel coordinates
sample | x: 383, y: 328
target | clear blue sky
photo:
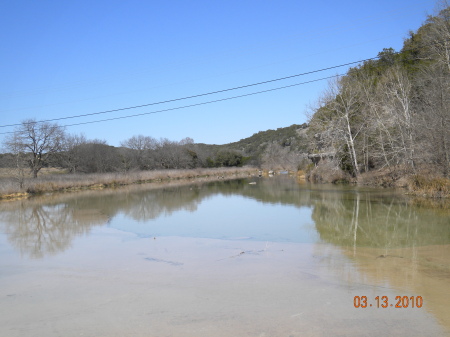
x: 65, y: 58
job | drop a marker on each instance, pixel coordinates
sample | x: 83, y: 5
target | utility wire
x: 198, y: 95
x: 196, y: 104
x: 188, y: 81
x: 213, y: 92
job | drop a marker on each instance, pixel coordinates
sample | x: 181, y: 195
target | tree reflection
x: 148, y: 206
x: 356, y: 219
x: 41, y: 229
x: 43, y: 226
x: 342, y: 215
x: 48, y: 224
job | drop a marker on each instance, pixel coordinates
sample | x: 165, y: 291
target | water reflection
x: 343, y: 216
x: 37, y: 229
x: 360, y: 219
x: 373, y: 242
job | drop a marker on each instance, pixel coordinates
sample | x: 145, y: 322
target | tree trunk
x: 351, y: 144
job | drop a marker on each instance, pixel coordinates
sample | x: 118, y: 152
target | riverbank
x: 421, y: 185
x: 424, y: 183
x: 64, y: 182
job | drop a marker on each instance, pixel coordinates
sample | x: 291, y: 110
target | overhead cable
x: 213, y: 92
x: 196, y: 104
x: 197, y: 95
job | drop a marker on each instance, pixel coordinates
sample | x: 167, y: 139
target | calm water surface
x: 229, y: 258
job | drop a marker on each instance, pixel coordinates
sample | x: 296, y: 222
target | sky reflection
x: 229, y: 217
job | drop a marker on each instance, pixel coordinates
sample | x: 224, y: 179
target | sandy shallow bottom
x: 117, y: 284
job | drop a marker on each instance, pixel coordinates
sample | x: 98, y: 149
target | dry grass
x: 387, y: 177
x: 429, y: 186
x: 56, y: 181
x: 426, y: 183
x: 6, y: 172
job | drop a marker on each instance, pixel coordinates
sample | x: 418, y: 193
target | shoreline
x: 419, y: 187
x: 421, y: 184
x: 61, y: 183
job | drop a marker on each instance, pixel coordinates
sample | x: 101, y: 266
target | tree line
x: 393, y: 112
x: 35, y: 145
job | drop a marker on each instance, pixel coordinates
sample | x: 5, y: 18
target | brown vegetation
x: 429, y: 186
x: 422, y: 184
x: 385, y: 177
x: 327, y: 172
x: 9, y: 188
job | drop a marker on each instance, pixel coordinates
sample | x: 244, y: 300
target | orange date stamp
x: 384, y: 302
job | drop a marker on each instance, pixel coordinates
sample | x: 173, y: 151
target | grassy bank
x: 58, y: 181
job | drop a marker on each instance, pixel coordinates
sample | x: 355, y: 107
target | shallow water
x: 277, y: 258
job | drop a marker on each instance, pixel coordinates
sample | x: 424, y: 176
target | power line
x: 198, y: 95
x: 196, y: 104
x: 328, y: 51
x: 211, y: 93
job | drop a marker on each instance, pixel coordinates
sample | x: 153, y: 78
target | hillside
x: 292, y: 138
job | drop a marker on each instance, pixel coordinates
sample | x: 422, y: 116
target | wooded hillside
x: 393, y: 112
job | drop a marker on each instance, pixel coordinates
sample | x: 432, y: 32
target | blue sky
x: 66, y: 58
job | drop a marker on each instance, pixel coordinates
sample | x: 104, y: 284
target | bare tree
x: 397, y: 90
x: 434, y: 122
x: 435, y: 86
x: 36, y: 140
x: 342, y: 100
x: 13, y: 144
x: 141, y: 147
x: 437, y: 35
x: 379, y: 133
x: 175, y: 155
x: 72, y: 157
